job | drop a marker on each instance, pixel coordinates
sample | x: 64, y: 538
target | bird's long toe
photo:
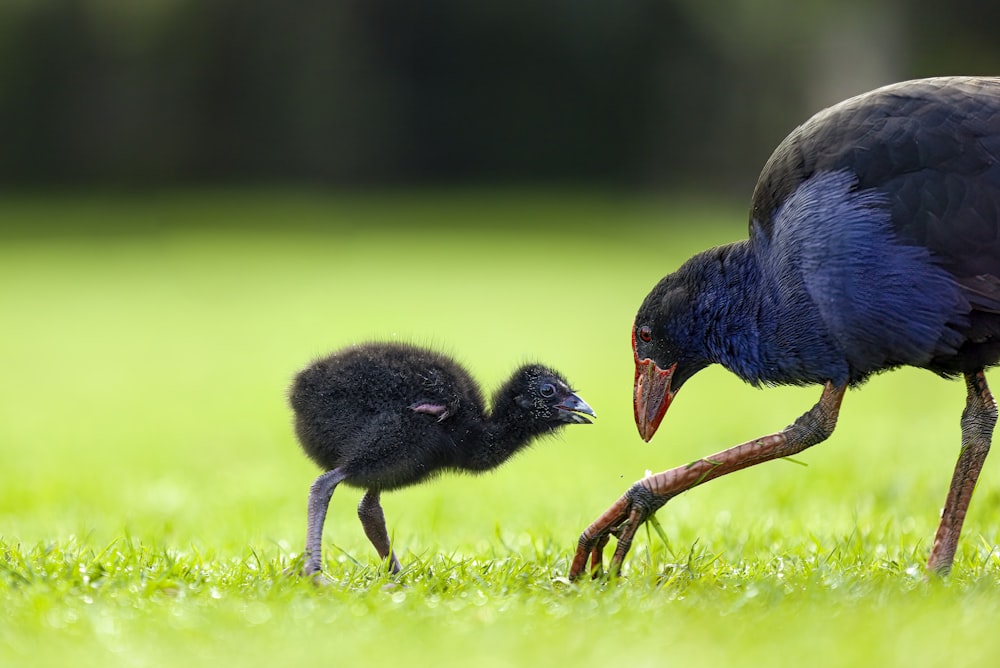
x: 595, y: 537
x: 625, y: 532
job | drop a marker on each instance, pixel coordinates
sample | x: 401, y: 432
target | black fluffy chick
x: 381, y: 416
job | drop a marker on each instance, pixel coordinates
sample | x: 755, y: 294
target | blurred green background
x: 197, y: 198
x: 152, y: 490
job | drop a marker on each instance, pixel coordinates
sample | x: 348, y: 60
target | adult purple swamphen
x: 874, y: 243
x: 381, y: 416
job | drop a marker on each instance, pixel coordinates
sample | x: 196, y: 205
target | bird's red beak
x: 652, y: 395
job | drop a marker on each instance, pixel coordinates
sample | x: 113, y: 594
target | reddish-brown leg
x: 643, y: 499
x: 978, y: 420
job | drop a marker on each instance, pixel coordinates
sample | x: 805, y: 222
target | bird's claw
x: 621, y: 520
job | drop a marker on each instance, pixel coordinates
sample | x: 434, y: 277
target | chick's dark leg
x: 643, y: 499
x: 373, y: 520
x: 978, y: 420
x: 319, y: 500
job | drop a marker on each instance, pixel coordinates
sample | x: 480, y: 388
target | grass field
x: 152, y: 493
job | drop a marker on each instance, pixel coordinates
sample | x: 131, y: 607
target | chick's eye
x: 547, y: 390
x: 645, y: 334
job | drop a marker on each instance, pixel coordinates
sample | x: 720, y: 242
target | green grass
x: 152, y: 494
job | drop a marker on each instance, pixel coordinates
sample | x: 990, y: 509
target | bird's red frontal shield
x: 652, y: 395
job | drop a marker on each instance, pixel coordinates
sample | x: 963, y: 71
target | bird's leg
x: 978, y: 420
x: 647, y: 495
x: 319, y: 500
x: 373, y: 520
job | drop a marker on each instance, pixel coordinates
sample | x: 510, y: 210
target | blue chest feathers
x: 833, y: 261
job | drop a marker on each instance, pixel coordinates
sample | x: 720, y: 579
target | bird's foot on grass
x: 321, y: 579
x: 318, y: 577
x: 302, y: 568
x: 621, y: 520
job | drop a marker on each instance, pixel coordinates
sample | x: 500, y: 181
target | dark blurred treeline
x: 656, y: 93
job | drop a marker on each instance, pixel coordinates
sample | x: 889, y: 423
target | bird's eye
x: 547, y: 390
x: 645, y: 334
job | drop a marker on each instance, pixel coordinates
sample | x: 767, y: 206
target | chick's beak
x: 574, y: 409
x: 652, y: 395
